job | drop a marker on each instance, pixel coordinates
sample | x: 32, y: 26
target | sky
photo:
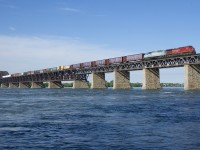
x: 41, y: 34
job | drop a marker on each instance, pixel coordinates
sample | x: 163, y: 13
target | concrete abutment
x: 121, y: 80
x: 80, y: 84
x: 4, y: 85
x: 55, y: 84
x: 98, y: 80
x: 37, y: 85
x: 191, y: 77
x: 13, y: 85
x: 151, y: 78
x: 24, y: 85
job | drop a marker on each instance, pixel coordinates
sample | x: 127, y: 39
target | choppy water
x: 99, y: 119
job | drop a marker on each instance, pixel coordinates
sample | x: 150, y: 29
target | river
x: 67, y: 118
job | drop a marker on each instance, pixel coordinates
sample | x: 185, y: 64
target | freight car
x: 82, y: 65
x: 135, y: 57
x: 87, y: 64
x: 63, y: 67
x: 76, y: 66
x: 66, y: 67
x: 116, y: 60
x: 16, y: 75
x: 60, y: 67
x: 103, y: 62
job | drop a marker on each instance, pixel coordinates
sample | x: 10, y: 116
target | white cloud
x: 19, y: 54
x: 70, y: 9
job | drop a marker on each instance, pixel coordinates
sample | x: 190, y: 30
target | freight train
x: 137, y: 57
x: 117, y: 60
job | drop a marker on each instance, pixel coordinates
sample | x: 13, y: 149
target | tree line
x: 137, y: 84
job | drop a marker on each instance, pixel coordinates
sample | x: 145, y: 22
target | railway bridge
x: 121, y: 71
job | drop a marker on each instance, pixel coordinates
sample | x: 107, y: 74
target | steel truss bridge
x: 82, y: 74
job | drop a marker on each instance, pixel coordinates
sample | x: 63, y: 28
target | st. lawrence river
x: 165, y: 119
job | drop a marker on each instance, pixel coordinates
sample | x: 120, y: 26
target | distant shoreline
x: 110, y: 84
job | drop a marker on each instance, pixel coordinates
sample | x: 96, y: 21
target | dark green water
x: 99, y: 119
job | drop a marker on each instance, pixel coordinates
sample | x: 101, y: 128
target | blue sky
x: 45, y: 33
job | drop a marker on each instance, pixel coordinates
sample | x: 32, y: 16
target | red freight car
x: 87, y: 64
x: 136, y: 57
x: 102, y: 62
x: 181, y: 50
x: 93, y: 63
x: 37, y: 72
x: 76, y: 66
x: 116, y: 60
x: 16, y: 75
x: 47, y: 70
x: 29, y: 73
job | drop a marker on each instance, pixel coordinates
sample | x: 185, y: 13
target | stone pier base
x: 55, y: 84
x: 37, y: 85
x: 121, y: 80
x: 13, y: 85
x: 151, y: 78
x: 80, y: 84
x: 24, y: 85
x: 4, y: 85
x: 98, y: 80
x: 191, y: 77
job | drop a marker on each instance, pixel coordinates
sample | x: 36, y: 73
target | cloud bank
x: 20, y: 54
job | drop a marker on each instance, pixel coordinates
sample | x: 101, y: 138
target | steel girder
x: 64, y: 75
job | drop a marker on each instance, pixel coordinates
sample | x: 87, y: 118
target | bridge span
x: 150, y: 67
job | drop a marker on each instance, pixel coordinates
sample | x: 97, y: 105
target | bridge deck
x: 82, y: 74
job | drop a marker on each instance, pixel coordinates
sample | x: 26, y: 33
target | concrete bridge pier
x: 151, y: 78
x: 24, y: 85
x: 4, y: 85
x: 13, y: 85
x: 80, y: 84
x: 191, y: 77
x: 37, y: 85
x: 55, y: 84
x: 98, y: 80
x: 121, y: 80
